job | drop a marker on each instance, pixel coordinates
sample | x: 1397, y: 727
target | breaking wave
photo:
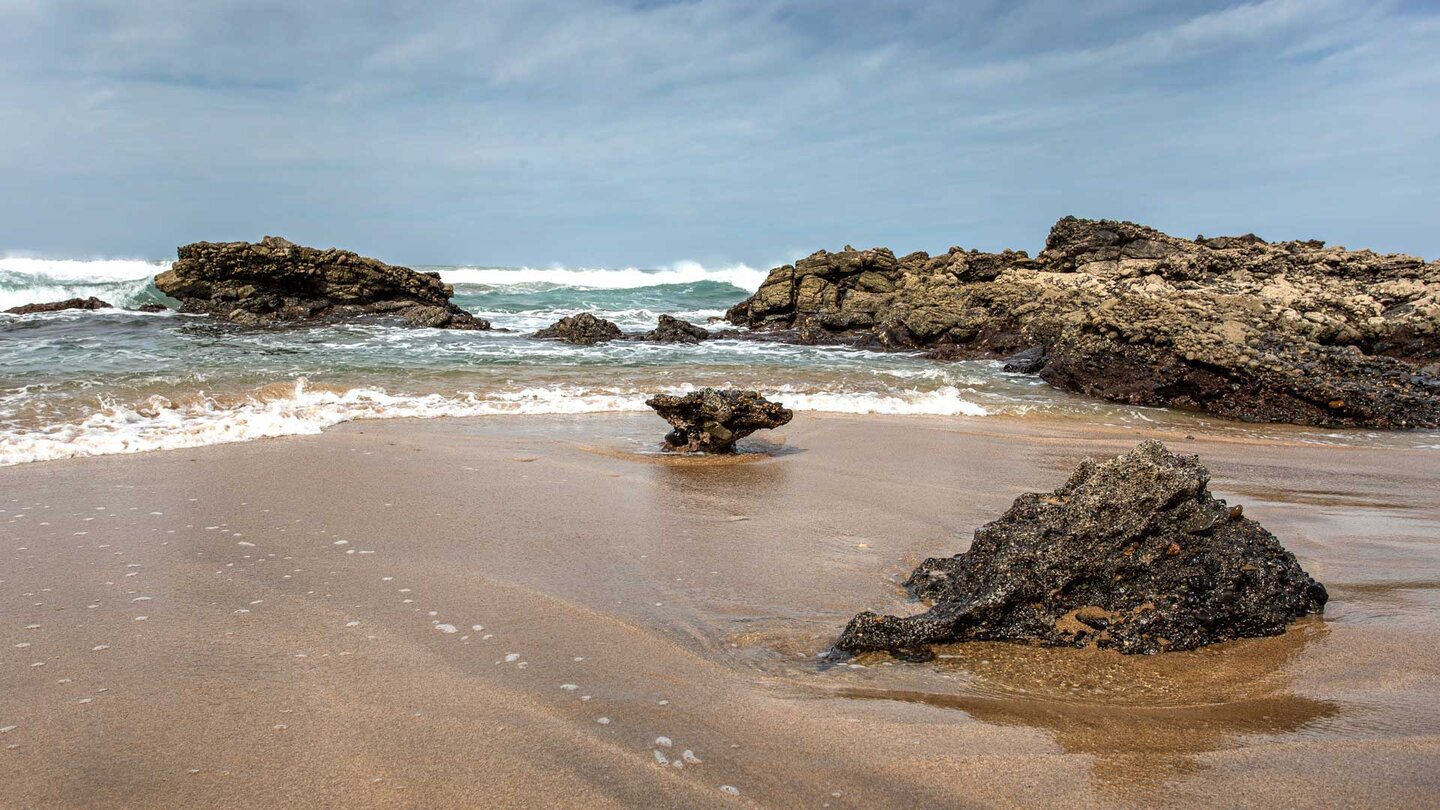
x: 741, y: 276
x: 122, y: 282
x: 160, y: 424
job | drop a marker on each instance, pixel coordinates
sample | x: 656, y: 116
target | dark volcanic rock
x: 583, y: 329
x: 276, y: 281
x: 151, y: 307
x: 711, y: 421
x: 1131, y: 554
x: 1029, y: 361
x: 673, y: 330
x: 70, y: 303
x: 1235, y: 326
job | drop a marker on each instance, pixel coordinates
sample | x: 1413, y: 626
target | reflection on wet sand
x: 747, y: 451
x: 1142, y: 718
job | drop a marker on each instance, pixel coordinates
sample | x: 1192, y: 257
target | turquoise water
x: 115, y: 381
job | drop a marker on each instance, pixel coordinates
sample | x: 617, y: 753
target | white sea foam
x: 95, y: 270
x: 33, y: 281
x: 308, y: 411
x: 947, y: 401
x: 634, y: 318
x: 685, y: 272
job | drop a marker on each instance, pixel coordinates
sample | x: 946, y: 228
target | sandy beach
x: 538, y: 611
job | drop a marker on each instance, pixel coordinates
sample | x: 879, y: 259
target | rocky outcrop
x: 1131, y: 554
x: 276, y: 281
x: 711, y: 421
x: 70, y: 303
x: 583, y: 329
x: 673, y: 330
x: 152, y: 307
x: 1235, y: 326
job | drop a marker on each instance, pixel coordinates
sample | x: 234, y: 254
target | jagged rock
x: 583, y: 329
x: 1131, y: 554
x: 151, y: 307
x: 673, y: 330
x: 70, y: 303
x: 275, y: 281
x: 711, y: 421
x: 1284, y: 332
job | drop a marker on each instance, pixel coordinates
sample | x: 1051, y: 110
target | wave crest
x: 122, y: 282
x: 741, y: 276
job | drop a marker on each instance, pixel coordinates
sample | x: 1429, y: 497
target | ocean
x: 86, y: 383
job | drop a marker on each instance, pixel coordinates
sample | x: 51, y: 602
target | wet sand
x: 531, y: 612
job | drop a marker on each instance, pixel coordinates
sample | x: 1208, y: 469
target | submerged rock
x: 1234, y: 326
x: 673, y: 330
x: 1029, y: 361
x: 1131, y: 554
x: 275, y: 281
x: 57, y: 306
x: 711, y: 420
x: 583, y: 329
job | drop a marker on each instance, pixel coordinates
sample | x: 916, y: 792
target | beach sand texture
x: 510, y: 611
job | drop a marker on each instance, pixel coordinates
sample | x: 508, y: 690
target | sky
x: 603, y: 133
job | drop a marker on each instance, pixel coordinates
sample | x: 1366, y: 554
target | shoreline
x: 1161, y: 423
x: 708, y: 586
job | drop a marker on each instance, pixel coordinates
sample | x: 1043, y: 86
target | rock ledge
x: 276, y: 281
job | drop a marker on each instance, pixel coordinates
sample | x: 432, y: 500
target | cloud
x: 604, y: 132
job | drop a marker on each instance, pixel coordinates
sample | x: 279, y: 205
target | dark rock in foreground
x: 1234, y: 326
x: 711, y: 421
x: 277, y: 281
x: 1131, y: 554
x: 673, y: 330
x: 151, y: 307
x: 583, y: 329
x: 70, y: 303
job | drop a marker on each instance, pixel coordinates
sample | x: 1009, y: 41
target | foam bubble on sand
x: 511, y: 658
x: 446, y: 628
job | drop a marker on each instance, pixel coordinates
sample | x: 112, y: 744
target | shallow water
x: 118, y: 381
